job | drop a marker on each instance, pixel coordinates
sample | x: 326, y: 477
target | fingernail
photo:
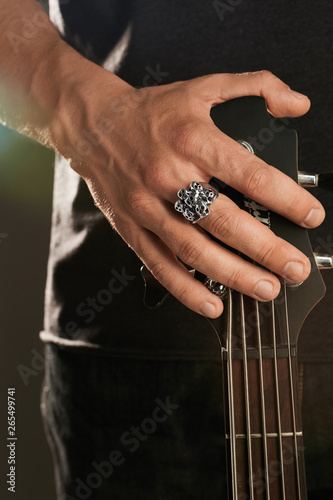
x: 314, y: 218
x: 293, y: 272
x: 264, y: 290
x: 297, y: 94
x: 208, y: 309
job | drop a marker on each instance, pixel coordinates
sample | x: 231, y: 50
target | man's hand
x: 145, y: 144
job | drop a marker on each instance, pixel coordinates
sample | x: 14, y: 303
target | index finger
x: 224, y: 158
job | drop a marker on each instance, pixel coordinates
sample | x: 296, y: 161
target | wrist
x: 80, y: 84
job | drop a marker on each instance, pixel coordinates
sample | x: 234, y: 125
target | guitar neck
x: 263, y: 422
x: 262, y: 413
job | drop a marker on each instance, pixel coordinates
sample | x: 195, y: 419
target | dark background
x: 26, y: 174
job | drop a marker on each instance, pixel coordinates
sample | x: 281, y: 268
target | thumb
x: 281, y: 100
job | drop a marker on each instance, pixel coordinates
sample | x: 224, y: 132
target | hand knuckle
x: 266, y: 74
x: 139, y: 204
x: 266, y: 252
x: 153, y: 175
x: 162, y: 272
x: 235, y: 279
x: 183, y: 295
x: 186, y: 139
x: 294, y: 204
x: 190, y: 251
x: 224, y: 224
x: 257, y: 182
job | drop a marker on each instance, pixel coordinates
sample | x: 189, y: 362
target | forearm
x: 39, y: 73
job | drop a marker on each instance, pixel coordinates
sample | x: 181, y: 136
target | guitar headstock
x: 247, y: 121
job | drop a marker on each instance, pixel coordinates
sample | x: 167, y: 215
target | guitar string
x: 263, y: 409
x: 225, y: 403
x: 226, y: 419
x: 292, y: 393
x: 247, y: 398
x: 231, y: 399
x: 278, y: 402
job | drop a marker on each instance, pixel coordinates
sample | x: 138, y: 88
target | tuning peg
x: 306, y: 179
x: 323, y: 261
x: 216, y: 288
x: 324, y: 181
